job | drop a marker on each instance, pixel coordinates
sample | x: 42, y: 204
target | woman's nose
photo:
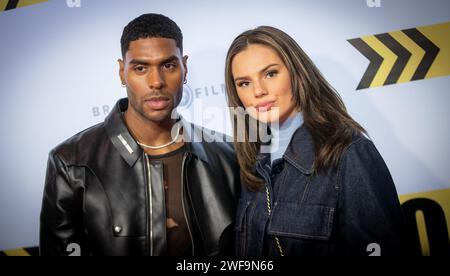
x: 259, y: 91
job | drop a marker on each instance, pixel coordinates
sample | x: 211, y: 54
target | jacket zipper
x: 150, y: 203
x: 182, y: 202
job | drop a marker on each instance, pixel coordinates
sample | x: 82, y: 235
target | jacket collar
x: 127, y: 147
x: 300, y: 152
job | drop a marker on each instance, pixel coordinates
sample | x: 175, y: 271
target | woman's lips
x: 264, y: 106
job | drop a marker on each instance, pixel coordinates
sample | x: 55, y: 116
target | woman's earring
x: 123, y: 85
x: 185, y: 81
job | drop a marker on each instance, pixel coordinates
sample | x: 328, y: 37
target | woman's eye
x: 243, y: 84
x: 271, y: 74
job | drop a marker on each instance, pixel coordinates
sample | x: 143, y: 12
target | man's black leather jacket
x: 103, y: 195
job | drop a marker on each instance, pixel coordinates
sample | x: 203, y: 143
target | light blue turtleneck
x: 281, y: 137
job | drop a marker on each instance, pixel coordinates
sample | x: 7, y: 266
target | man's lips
x: 158, y: 103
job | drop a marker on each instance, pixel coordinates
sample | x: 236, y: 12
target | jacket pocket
x: 301, y: 221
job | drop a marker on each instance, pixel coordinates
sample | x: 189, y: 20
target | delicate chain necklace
x: 162, y: 146
x: 269, y: 209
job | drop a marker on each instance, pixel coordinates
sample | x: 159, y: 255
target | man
x: 140, y: 183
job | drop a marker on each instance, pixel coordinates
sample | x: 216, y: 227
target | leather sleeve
x: 61, y: 218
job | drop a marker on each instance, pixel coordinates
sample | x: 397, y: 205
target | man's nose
x: 155, y: 79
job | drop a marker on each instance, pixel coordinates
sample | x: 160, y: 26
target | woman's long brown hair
x: 324, y: 112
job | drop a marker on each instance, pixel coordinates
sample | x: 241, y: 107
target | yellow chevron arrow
x: 20, y: 252
x: 3, y: 5
x: 440, y: 35
x: 417, y: 54
x: 18, y: 4
x: 388, y: 62
x: 24, y: 3
x: 405, y: 55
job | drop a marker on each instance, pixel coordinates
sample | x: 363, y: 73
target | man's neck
x: 151, y: 133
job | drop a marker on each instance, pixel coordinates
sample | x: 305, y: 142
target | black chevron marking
x: 374, y: 58
x: 402, y: 53
x: 33, y: 251
x: 431, y: 51
x: 12, y: 4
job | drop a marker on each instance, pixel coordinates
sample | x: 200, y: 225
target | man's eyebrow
x: 260, y: 71
x: 169, y: 59
x: 139, y: 62
x: 145, y: 62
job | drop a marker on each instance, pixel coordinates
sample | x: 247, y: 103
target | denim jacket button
x: 278, y: 169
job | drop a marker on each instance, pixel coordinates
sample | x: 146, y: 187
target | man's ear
x: 121, y: 71
x: 185, y: 59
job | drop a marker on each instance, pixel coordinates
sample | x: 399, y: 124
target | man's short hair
x: 151, y: 25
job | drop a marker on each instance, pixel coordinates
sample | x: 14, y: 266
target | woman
x: 319, y: 186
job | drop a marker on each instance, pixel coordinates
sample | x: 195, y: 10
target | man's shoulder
x: 77, y: 147
x: 219, y: 150
x: 214, y: 140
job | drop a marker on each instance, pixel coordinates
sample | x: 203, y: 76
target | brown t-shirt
x: 178, y: 237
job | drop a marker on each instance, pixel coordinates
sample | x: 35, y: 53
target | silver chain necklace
x: 162, y: 146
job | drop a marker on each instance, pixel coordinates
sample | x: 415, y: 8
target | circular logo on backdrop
x: 188, y: 97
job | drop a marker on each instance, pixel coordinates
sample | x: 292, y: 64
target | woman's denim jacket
x: 351, y: 210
